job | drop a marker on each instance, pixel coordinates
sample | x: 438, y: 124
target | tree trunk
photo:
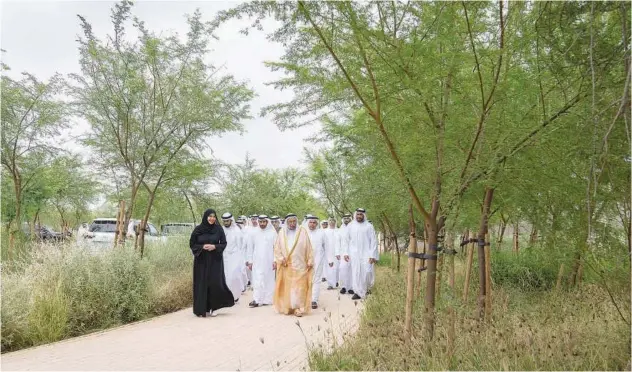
x: 17, y: 187
x: 560, y: 276
x: 119, y: 235
x: 397, y: 251
x: 431, y: 272
x: 488, y: 278
x: 130, y: 212
x: 575, y: 277
x: 190, y: 206
x: 144, y: 221
x: 534, y: 235
x: 503, y: 226
x: 36, y: 235
x: 489, y: 194
x: 452, y: 315
x: 421, y: 265
x: 468, y: 270
x: 410, y: 278
x: 516, y: 244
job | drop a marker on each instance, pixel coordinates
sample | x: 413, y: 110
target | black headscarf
x: 205, y: 227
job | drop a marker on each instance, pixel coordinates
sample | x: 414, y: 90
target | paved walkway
x: 238, y: 339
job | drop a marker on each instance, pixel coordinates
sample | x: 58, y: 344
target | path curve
x: 238, y: 339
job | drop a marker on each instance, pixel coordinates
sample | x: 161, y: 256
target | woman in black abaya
x: 207, y: 243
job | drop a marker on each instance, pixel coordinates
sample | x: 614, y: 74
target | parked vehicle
x: 102, y: 231
x: 45, y: 233
x: 177, y: 229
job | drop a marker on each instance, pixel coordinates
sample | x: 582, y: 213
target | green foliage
x: 531, y: 270
x: 245, y: 189
x: 64, y: 292
x: 152, y: 103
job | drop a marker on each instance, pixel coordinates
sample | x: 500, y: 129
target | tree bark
x: 431, y: 272
x: 394, y: 236
x: 190, y: 206
x: 452, y: 315
x: 17, y: 188
x: 130, y: 211
x: 533, y: 237
x: 468, y: 270
x: 410, y: 277
x: 503, y: 227
x: 143, y: 222
x: 397, y: 250
x: 487, y: 202
x: 516, y: 243
x: 488, y: 278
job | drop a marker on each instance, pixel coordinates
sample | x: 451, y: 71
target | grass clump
x: 530, y: 330
x: 62, y: 291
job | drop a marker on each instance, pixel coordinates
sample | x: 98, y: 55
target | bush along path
x: 58, y: 292
x: 239, y: 338
x: 533, y: 327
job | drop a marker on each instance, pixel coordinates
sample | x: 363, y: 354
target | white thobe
x: 244, y: 258
x: 322, y: 256
x: 333, y: 243
x: 344, y: 270
x: 233, y: 256
x: 361, y: 245
x: 248, y: 231
x: 261, y: 255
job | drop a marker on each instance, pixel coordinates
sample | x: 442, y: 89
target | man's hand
x: 346, y: 258
x: 309, y: 266
x: 338, y: 257
x: 372, y: 261
x: 274, y: 266
x: 249, y: 265
x: 284, y: 262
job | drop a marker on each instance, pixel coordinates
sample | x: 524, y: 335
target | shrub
x: 532, y: 269
x: 63, y: 291
x: 534, y: 330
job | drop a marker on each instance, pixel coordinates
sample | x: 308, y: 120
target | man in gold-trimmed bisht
x: 295, y: 265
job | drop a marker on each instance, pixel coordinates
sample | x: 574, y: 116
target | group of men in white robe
x: 343, y: 257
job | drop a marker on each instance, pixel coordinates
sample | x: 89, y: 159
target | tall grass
x: 62, y: 291
x: 532, y: 328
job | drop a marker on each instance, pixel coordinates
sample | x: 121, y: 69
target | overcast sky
x: 40, y: 37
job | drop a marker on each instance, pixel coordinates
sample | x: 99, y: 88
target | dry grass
x: 538, y: 330
x: 62, y: 291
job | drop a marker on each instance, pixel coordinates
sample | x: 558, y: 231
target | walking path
x: 238, y: 339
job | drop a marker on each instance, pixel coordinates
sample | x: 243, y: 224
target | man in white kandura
x: 333, y: 241
x: 252, y: 226
x: 344, y: 271
x: 242, y: 222
x: 276, y: 223
x: 361, y: 251
x: 322, y: 255
x: 261, y: 262
x: 323, y: 228
x: 233, y: 256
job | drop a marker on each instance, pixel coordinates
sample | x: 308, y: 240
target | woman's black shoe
x: 253, y: 304
x: 355, y: 297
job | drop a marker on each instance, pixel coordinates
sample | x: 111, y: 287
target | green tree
x: 32, y: 116
x: 152, y: 103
